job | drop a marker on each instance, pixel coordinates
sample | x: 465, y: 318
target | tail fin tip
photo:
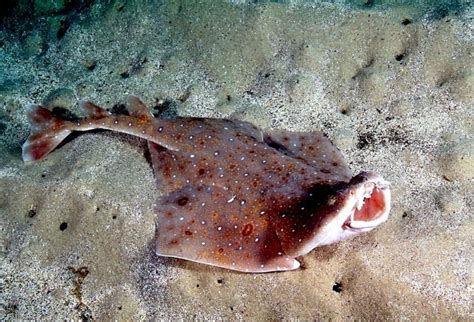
x: 47, y: 132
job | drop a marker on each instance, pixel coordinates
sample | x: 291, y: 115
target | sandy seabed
x: 392, y: 88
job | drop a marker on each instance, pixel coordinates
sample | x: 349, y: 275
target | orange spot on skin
x: 263, y: 222
x: 248, y: 228
x: 143, y: 119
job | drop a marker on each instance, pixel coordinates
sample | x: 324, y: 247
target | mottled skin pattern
x: 234, y: 196
x: 228, y: 186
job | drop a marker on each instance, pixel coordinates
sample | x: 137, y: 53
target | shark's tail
x: 47, y: 132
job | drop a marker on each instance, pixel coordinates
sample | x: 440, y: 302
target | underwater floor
x: 392, y: 86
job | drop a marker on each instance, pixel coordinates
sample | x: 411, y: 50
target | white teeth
x: 367, y: 193
x: 369, y: 187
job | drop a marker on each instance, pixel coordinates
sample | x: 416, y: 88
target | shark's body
x: 235, y: 196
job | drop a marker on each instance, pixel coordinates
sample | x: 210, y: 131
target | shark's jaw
x: 366, y: 205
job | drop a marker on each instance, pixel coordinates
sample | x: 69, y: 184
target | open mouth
x: 364, y: 204
x: 371, y: 209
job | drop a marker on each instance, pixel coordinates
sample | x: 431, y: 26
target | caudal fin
x: 47, y: 132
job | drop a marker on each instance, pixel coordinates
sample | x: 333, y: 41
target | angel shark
x: 233, y: 195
